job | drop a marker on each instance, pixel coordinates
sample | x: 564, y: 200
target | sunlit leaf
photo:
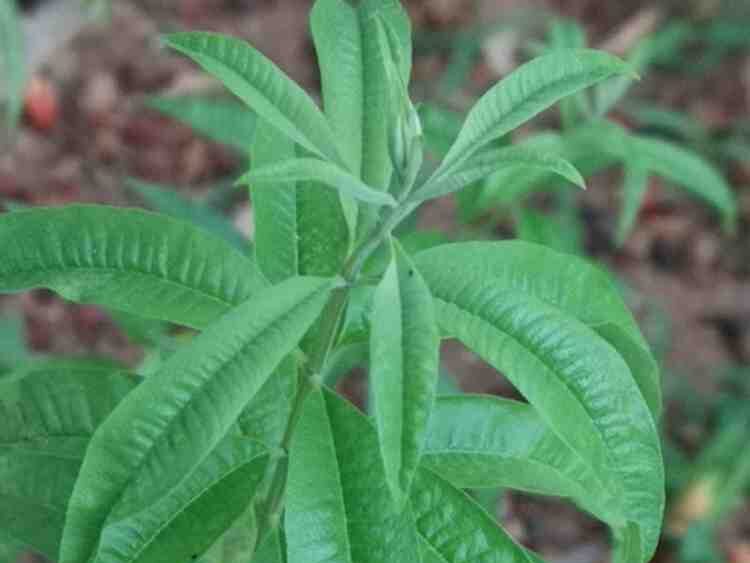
x: 404, y: 343
x: 131, y: 260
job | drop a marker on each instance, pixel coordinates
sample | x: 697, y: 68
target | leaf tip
x: 166, y: 40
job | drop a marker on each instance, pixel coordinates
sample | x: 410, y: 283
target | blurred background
x: 95, y: 110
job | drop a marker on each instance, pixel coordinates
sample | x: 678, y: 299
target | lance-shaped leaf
x: 567, y: 282
x: 168, y: 200
x: 579, y: 384
x: 561, y: 232
x: 301, y: 227
x: 131, y: 260
x: 354, y: 82
x: 491, y: 161
x: 355, y: 86
x: 529, y: 90
x: 339, y: 509
x: 225, y: 121
x: 170, y: 424
x: 479, y: 442
x: 404, y: 344
x: 336, y: 32
x: 453, y: 528
x: 266, y: 416
x: 261, y: 85
x: 326, y: 228
x: 312, y: 169
x: 49, y: 414
x: 634, y: 188
x: 270, y: 548
x: 275, y: 210
x: 183, y: 524
x: 689, y: 171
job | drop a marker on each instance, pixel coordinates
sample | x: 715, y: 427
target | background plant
x: 236, y: 426
x: 594, y: 143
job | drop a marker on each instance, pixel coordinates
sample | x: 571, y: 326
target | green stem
x: 357, y: 261
x: 269, y: 510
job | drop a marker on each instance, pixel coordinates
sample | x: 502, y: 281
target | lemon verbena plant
x: 238, y: 424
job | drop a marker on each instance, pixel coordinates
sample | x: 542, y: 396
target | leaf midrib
x: 193, y: 499
x: 199, y: 391
x: 547, y: 365
x: 483, y: 513
x: 529, y: 101
x: 111, y: 269
x: 522, y: 460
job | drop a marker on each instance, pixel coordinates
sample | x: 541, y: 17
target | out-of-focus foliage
x: 594, y: 143
x: 12, y: 71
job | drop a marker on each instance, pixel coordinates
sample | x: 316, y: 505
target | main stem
x: 269, y: 510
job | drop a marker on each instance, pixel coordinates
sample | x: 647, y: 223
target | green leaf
x: 131, y: 260
x: 404, y: 349
x: 13, y: 75
x: 144, y: 332
x: 526, y: 92
x: 49, y: 414
x: 608, y: 94
x: 441, y: 127
x: 453, y: 528
x: 689, y: 171
x: 270, y: 549
x: 549, y: 230
x: 590, y: 148
x: 580, y: 385
x: 312, y: 169
x: 627, y: 544
x: 354, y: 84
x: 223, y: 121
x: 568, y: 34
x: 336, y: 32
x: 634, y: 189
x: 300, y: 227
x: 325, y: 235
x: 182, y: 525
x: 343, y: 360
x: 336, y: 36
x: 338, y: 507
x: 169, y: 201
x: 13, y: 351
x: 667, y: 122
x: 266, y: 416
x: 477, y: 442
x: 566, y: 282
x: 237, y: 544
x: 277, y: 239
x: 490, y: 161
x: 141, y: 452
x: 259, y: 83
